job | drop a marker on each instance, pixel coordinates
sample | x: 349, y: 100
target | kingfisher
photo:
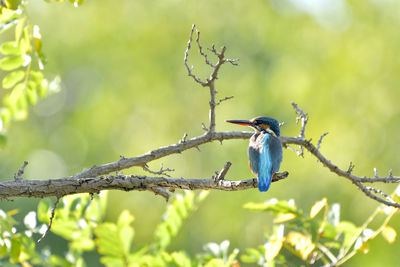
x: 265, y: 149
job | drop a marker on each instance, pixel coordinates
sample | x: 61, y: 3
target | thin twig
x: 53, y: 210
x: 161, y: 191
x: 201, y: 50
x: 18, y: 175
x: 223, y: 172
x: 162, y: 171
x: 198, y: 80
x: 224, y: 99
x: 320, y: 140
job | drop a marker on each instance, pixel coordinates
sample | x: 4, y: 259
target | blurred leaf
x: 19, y: 28
x: 31, y: 95
x: 106, y: 240
x: 273, y: 206
x: 251, y: 255
x: 13, y: 4
x: 301, y: 243
x: 15, y: 248
x: 64, y: 228
x: 112, y: 261
x: 11, y: 63
x: 272, y: 248
x: 349, y: 230
x: 284, y: 217
x: 43, y: 211
x: 389, y: 233
x: 10, y: 48
x: 334, y: 214
x: 5, y: 116
x: 83, y: 244
x: 180, y: 259
x: 13, y: 78
x: 317, y: 207
x: 37, y: 38
x: 177, y: 210
x: 361, y: 245
x: 125, y: 230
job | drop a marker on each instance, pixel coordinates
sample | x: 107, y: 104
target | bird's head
x: 261, y: 124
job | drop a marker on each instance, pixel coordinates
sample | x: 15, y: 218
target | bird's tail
x: 264, y: 180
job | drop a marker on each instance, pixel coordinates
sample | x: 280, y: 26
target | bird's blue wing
x: 269, y: 161
x: 254, y: 158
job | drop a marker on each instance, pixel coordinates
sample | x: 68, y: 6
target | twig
x: 301, y: 116
x: 224, y: 99
x: 162, y: 171
x: 201, y: 50
x: 161, y: 191
x: 367, y: 191
x: 18, y: 175
x: 198, y: 80
x: 351, y: 167
x: 51, y: 219
x: 320, y: 140
x: 223, y: 172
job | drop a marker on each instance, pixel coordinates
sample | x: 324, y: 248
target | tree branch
x: 68, y: 186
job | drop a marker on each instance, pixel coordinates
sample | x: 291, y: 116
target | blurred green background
x: 125, y: 91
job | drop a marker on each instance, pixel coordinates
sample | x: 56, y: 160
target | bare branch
x: 223, y: 172
x: 224, y: 99
x: 367, y: 191
x: 18, y: 175
x: 53, y: 210
x: 301, y: 116
x: 320, y: 140
x: 68, y: 186
x: 201, y: 50
x: 198, y: 80
x: 162, y: 171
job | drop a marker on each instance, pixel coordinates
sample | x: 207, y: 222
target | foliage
x: 317, y: 237
x: 314, y: 237
x: 23, y: 63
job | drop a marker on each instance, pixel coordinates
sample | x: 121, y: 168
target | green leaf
x: 177, y: 210
x: 11, y: 63
x: 13, y: 78
x: 65, y: 228
x: 43, y: 211
x: 15, y: 248
x: 19, y: 28
x: 112, y: 262
x: 180, y: 259
x: 31, y: 95
x: 349, y: 230
x: 13, y: 4
x: 10, y: 48
x: 5, y: 116
x: 106, y: 240
x: 83, y: 243
x: 274, y: 206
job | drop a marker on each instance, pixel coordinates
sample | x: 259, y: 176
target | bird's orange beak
x: 240, y: 122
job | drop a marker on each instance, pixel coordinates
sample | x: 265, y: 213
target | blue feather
x: 265, y: 159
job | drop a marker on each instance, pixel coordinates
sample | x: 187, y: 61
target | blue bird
x: 265, y: 149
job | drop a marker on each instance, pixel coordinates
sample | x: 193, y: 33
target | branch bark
x: 68, y: 185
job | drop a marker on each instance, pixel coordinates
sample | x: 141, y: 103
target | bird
x: 265, y: 149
